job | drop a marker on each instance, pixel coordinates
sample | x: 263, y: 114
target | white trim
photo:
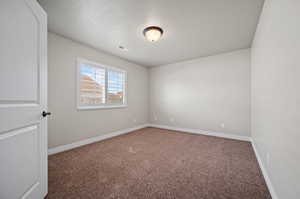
x: 92, y: 140
x: 264, y: 172
x: 124, y: 131
x: 102, y: 107
x: 106, y: 68
x: 203, y: 132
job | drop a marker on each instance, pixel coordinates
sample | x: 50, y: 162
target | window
x: 100, y: 86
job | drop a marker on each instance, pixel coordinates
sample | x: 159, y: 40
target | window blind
x: 92, y: 85
x: 115, y: 87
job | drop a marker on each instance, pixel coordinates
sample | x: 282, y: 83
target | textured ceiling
x: 192, y: 28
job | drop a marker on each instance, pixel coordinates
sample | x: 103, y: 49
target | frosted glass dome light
x: 153, y: 33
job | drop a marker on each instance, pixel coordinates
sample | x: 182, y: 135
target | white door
x: 23, y: 97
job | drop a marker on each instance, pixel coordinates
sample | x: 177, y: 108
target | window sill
x: 101, y: 107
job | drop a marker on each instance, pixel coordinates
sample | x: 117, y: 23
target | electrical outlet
x: 223, y: 125
x: 172, y: 119
x: 134, y: 120
x: 154, y: 117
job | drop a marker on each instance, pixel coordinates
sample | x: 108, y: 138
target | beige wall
x: 67, y: 124
x: 276, y: 94
x: 203, y: 93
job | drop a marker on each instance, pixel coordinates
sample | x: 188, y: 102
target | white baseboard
x: 203, y: 132
x: 264, y: 172
x: 92, y: 140
x: 124, y: 131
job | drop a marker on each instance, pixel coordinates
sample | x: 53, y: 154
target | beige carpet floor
x: 158, y: 164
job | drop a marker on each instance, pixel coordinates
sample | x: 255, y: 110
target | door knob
x: 44, y: 113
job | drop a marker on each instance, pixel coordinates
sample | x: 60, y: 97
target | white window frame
x: 106, y: 67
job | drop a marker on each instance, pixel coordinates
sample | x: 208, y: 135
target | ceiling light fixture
x: 153, y: 33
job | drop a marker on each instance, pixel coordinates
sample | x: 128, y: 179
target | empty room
x: 148, y: 99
